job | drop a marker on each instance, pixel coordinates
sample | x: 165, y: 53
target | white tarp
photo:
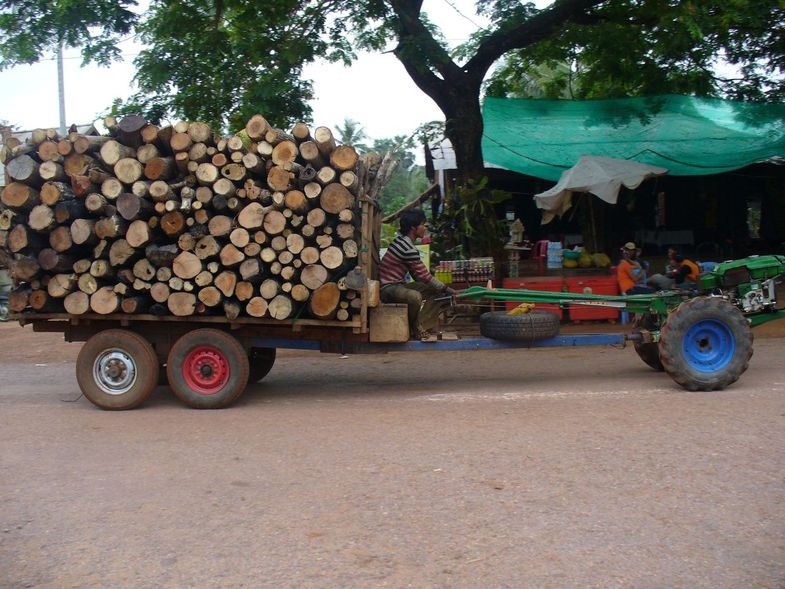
x: 599, y: 175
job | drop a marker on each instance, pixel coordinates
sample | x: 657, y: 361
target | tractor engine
x: 750, y: 283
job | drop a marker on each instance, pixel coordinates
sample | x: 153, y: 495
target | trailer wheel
x: 706, y: 344
x: 533, y: 325
x: 117, y: 369
x: 260, y: 362
x: 207, y: 369
x: 648, y: 352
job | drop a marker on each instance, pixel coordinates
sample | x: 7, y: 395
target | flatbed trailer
x: 703, y: 341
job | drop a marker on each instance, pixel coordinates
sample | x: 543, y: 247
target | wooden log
x: 224, y: 187
x: 326, y: 175
x: 280, y: 307
x: 24, y: 169
x: 60, y: 285
x: 274, y: 223
x: 349, y: 179
x: 53, y: 192
x: 131, y: 207
x: 129, y: 130
x: 285, y: 152
x: 55, y: 262
x: 256, y: 307
x: 207, y: 248
x: 230, y: 256
x: 77, y: 303
x: 309, y: 255
x: 200, y: 132
x: 256, y: 127
x: 22, y: 239
x: 19, y: 298
x: 41, y: 218
x: 20, y: 197
x: 60, y: 239
x: 220, y: 225
x: 181, y: 304
x: 279, y: 178
x: 161, y: 255
x: 83, y: 232
x: 111, y: 227
x: 88, y: 284
x: 313, y: 276
x: 128, y: 170
x: 243, y: 291
x: 122, y: 252
x: 225, y: 282
x: 332, y: 257
x: 186, y: 265
x: 135, y: 304
x: 96, y: 203
x: 159, y: 292
x: 89, y: 143
x: 52, y: 171
x: 146, y: 152
x: 144, y: 270
x: 335, y: 197
x: 173, y: 223
x: 235, y: 172
x: 210, y: 296
x: 324, y: 140
x: 324, y: 301
x: 239, y: 237
x: 113, y: 151
x: 207, y: 174
x: 42, y: 302
x: 105, y: 301
x: 25, y: 268
x: 81, y: 185
x: 160, y: 168
x: 344, y: 157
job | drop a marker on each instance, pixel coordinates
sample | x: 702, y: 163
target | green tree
x: 352, y: 133
x: 28, y: 30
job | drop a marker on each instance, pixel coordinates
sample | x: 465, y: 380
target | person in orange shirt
x: 630, y: 273
x: 685, y: 273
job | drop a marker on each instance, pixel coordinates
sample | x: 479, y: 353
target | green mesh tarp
x: 688, y: 136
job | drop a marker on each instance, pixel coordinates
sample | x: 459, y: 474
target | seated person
x: 665, y: 281
x: 402, y: 259
x: 685, y: 273
x: 630, y: 273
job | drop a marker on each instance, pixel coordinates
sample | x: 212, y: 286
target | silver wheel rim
x: 114, y: 371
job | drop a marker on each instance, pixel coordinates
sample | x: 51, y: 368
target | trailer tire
x: 706, y: 344
x: 648, y: 352
x: 207, y: 369
x: 117, y: 369
x: 534, y: 325
x: 260, y: 362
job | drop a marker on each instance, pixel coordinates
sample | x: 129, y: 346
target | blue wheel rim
x: 708, y: 345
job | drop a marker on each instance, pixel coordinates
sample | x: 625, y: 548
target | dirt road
x: 574, y: 468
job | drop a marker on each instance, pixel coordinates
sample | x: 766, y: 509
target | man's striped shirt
x: 402, y: 258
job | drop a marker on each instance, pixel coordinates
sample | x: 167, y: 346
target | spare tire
x: 534, y: 325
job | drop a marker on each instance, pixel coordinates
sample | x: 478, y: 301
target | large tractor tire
x: 534, y: 325
x: 117, y: 369
x: 207, y: 369
x: 705, y: 344
x: 648, y: 352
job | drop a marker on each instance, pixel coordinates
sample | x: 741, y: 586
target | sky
x: 375, y: 91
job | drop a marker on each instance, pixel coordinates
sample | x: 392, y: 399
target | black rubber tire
x: 705, y: 344
x: 3, y: 311
x: 648, y: 352
x: 534, y: 325
x: 117, y: 369
x: 260, y: 362
x: 207, y: 369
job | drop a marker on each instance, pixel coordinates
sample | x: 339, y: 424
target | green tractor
x: 703, y: 339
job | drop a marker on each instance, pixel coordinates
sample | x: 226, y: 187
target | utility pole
x: 61, y: 87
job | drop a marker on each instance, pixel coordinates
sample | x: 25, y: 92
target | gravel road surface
x: 570, y: 468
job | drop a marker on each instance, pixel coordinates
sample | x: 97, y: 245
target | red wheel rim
x: 205, y: 370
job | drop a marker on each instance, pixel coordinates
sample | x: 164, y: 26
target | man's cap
x: 630, y: 246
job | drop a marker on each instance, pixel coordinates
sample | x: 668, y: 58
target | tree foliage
x: 222, y: 60
x: 31, y: 28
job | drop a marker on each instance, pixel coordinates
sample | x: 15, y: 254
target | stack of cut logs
x: 176, y: 220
